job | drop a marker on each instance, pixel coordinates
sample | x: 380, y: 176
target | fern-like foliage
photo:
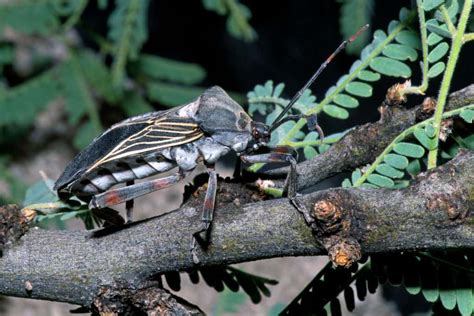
x: 355, y: 13
x: 406, y: 155
x: 238, y: 16
x: 266, y: 100
x: 442, y: 277
x: 127, y: 31
x: 385, y: 55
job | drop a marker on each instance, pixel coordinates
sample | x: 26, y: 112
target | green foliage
x: 441, y: 277
x: 227, y: 279
x: 323, y: 290
x: 403, y: 158
x: 127, y: 31
x: 444, y: 279
x: 238, y: 16
x: 354, y: 14
x: 350, y: 88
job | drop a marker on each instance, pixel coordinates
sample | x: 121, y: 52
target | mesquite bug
x: 198, y: 132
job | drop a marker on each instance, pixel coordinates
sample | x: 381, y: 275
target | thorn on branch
x: 13, y: 225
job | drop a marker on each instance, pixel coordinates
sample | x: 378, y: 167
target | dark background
x: 294, y: 38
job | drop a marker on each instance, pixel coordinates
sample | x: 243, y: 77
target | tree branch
x: 436, y: 212
x: 363, y: 144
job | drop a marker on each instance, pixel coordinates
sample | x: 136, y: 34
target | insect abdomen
x: 110, y: 174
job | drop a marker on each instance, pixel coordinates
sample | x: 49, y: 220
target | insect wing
x: 132, y: 137
x: 165, y: 132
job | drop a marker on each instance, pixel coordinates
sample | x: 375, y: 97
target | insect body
x: 201, y: 131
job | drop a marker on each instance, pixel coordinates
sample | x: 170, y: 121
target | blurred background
x: 70, y: 69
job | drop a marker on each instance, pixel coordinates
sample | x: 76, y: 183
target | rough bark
x: 363, y: 144
x: 436, y: 212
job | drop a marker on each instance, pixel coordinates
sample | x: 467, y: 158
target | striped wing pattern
x: 159, y: 134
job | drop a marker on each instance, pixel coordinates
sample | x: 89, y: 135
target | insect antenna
x: 277, y: 122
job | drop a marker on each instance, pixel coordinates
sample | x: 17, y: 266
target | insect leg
x: 207, y: 212
x: 120, y: 195
x: 283, y: 154
x: 129, y: 205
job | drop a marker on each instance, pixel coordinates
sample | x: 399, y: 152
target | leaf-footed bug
x: 156, y: 142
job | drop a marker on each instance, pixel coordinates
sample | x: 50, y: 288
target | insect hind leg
x: 121, y: 195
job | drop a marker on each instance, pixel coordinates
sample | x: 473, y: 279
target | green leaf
x: 389, y: 171
x: 409, y: 150
x: 278, y: 90
x: 346, y: 101
x: 369, y: 186
x: 429, y: 280
x: 323, y: 148
x: 368, y: 75
x: 380, y: 181
x: 356, y: 174
x: 346, y: 183
x: 393, y: 25
x: 97, y: 75
x: 400, y: 52
x: 414, y: 167
x: 360, y: 89
x: 21, y: 104
x: 335, y: 111
x: 397, y: 161
x: 447, y: 288
x: 433, y: 39
x: 355, y: 13
x: 430, y: 130
x: 40, y: 192
x: 311, y: 136
x: 433, y: 26
x: 427, y: 142
x: 134, y: 104
x: 171, y: 94
x: 401, y: 184
x: 464, y: 295
x: 390, y: 67
x: 238, y: 21
x: 161, y: 68
x: 128, y: 31
x: 75, y: 91
x: 309, y: 152
x: 436, y: 69
x: 429, y: 5
x: 409, y: 38
x: 467, y: 115
x: 84, y: 135
x: 29, y: 17
x: 404, y: 14
x: 438, y: 52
